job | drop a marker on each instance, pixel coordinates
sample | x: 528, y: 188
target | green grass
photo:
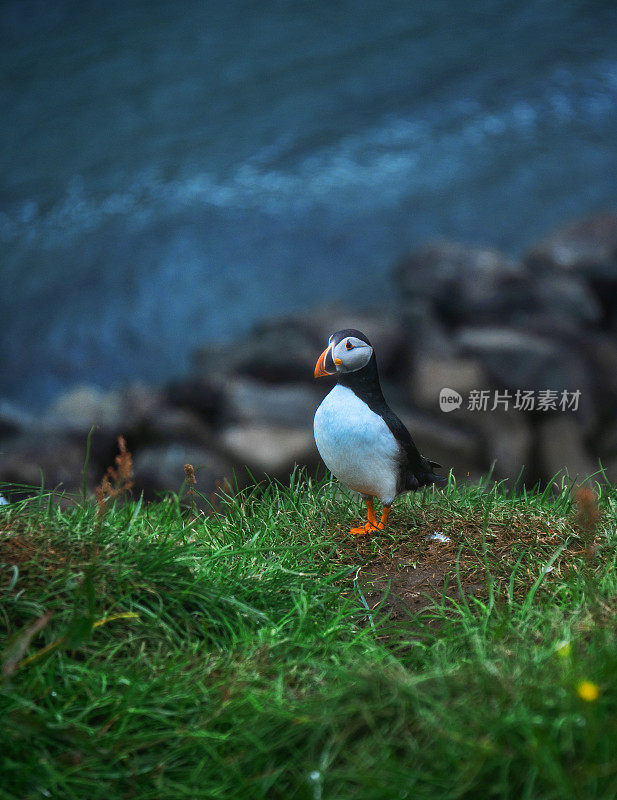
x: 257, y: 664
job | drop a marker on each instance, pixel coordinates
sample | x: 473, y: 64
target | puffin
x: 358, y: 436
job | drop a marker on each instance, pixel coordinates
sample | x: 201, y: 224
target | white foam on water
x: 374, y: 168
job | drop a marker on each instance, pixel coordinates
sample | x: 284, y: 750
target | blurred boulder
x: 561, y: 446
x: 14, y: 420
x: 285, y: 350
x: 160, y: 468
x: 586, y: 247
x: 57, y: 459
x: 168, y: 424
x: 212, y: 360
x: 555, y: 301
x: 84, y: 406
x: 288, y: 404
x: 599, y: 396
x: 604, y: 446
x: 450, y: 445
x: 268, y: 449
x: 197, y: 395
x: 519, y: 360
x: 276, y: 353
x: 140, y: 400
x: 471, y: 285
x: 432, y: 374
x: 425, y: 332
x: 507, y: 441
x: 462, y: 282
x: 132, y: 412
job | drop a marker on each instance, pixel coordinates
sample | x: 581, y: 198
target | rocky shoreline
x: 493, y: 330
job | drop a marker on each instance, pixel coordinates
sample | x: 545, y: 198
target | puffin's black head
x: 347, y: 351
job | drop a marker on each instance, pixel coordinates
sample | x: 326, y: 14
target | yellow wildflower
x: 588, y: 691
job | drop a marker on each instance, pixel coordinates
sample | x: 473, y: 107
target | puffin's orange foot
x: 368, y: 527
x: 372, y: 524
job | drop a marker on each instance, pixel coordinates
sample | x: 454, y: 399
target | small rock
x: 438, y: 536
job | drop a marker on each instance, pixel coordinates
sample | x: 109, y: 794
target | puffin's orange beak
x: 326, y: 365
x: 320, y: 371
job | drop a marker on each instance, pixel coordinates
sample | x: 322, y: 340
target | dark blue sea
x: 174, y: 171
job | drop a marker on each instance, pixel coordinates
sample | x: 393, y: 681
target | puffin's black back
x: 416, y: 470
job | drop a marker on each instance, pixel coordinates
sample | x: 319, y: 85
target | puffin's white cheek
x: 356, y: 359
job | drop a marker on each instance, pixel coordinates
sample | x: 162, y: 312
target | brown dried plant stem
x: 116, y: 481
x: 587, y: 519
x: 190, y: 480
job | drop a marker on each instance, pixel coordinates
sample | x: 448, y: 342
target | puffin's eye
x: 349, y: 345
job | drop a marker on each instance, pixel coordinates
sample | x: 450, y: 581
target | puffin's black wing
x: 418, y: 470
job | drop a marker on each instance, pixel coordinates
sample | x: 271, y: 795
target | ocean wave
x: 430, y: 150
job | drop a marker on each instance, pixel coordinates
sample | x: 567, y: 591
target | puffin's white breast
x: 356, y: 444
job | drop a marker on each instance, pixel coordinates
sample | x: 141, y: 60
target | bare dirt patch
x: 433, y: 550
x: 35, y: 552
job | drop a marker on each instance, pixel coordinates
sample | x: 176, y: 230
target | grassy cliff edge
x: 259, y: 652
